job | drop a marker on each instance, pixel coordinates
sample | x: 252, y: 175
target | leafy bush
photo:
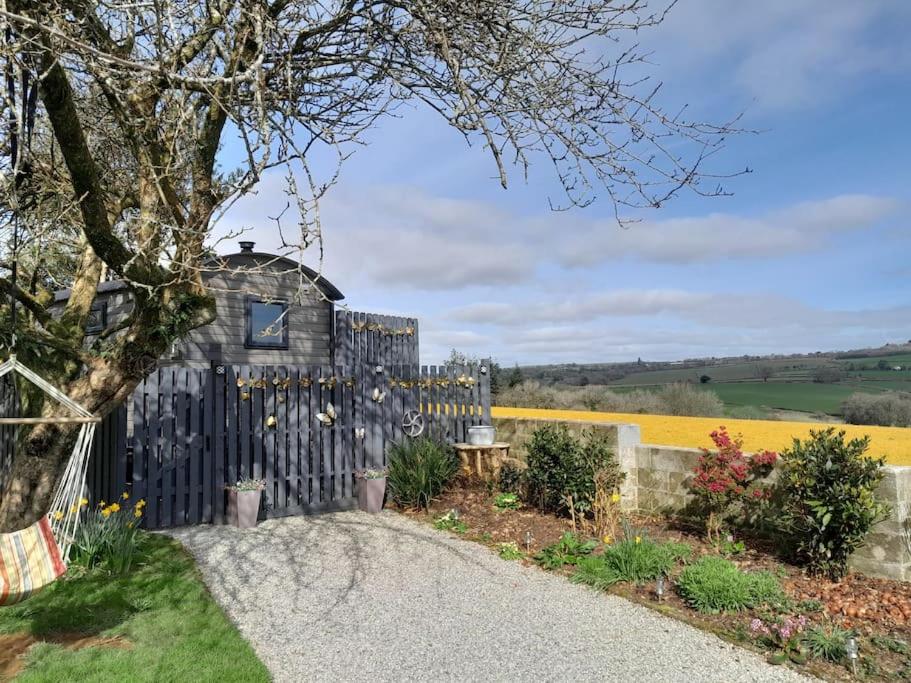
x: 888, y: 408
x: 511, y: 478
x: 507, y: 501
x: 568, y: 550
x: 510, y: 551
x: 827, y: 496
x: 827, y: 642
x: 418, y: 471
x: 634, y: 560
x: 450, y: 522
x: 561, y: 468
x: 714, y: 584
x: 725, y: 480
x: 108, y: 536
x: 785, y: 635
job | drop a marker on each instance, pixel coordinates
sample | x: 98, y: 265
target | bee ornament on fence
x: 378, y: 396
x: 305, y: 382
x: 328, y: 382
x: 360, y: 432
x: 327, y: 418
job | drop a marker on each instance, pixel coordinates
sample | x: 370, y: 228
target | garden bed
x: 878, y: 610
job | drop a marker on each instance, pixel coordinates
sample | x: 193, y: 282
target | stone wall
x: 657, y: 483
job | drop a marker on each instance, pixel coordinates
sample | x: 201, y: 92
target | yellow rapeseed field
x: 893, y: 442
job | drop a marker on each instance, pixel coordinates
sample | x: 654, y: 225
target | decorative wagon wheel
x: 413, y: 423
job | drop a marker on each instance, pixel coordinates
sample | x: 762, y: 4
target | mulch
x: 878, y: 610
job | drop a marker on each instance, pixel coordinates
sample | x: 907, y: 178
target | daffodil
x: 106, y: 512
x: 607, y: 540
x: 115, y: 507
x: 58, y: 515
x: 615, y: 497
x: 137, y: 512
x: 638, y: 539
x: 83, y: 502
x: 126, y: 495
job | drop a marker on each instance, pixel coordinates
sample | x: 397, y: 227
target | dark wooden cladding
x: 195, y: 431
x: 369, y: 338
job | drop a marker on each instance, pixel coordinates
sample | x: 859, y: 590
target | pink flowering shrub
x: 785, y: 635
x: 725, y: 480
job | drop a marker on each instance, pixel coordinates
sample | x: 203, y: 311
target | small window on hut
x: 98, y: 318
x: 267, y: 324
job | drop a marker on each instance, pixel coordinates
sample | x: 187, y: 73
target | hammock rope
x: 36, y: 556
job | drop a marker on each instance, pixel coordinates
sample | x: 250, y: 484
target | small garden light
x: 659, y: 587
x: 379, y: 369
x: 527, y: 541
x: 851, y: 649
x: 454, y: 514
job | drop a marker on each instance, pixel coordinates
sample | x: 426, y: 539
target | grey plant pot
x: 370, y: 494
x: 243, y: 508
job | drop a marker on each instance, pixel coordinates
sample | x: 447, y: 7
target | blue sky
x: 810, y: 253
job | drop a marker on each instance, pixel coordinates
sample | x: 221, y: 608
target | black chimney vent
x: 247, y: 247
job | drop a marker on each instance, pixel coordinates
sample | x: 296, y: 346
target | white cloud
x: 785, y: 54
x: 401, y: 238
x: 803, y: 227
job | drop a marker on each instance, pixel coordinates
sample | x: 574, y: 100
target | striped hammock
x: 29, y: 561
x: 34, y: 557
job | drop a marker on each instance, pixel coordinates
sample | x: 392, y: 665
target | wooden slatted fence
x: 194, y: 431
x: 372, y: 339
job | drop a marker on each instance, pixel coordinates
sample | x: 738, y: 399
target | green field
x: 804, y: 396
x: 739, y: 384
x: 728, y: 372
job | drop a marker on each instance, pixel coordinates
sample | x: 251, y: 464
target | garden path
x: 353, y: 597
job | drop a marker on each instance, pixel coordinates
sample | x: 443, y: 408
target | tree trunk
x: 42, y: 454
x: 32, y: 480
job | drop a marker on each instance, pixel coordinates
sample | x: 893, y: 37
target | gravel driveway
x: 355, y: 597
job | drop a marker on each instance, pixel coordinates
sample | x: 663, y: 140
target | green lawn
x: 806, y: 397
x: 175, y: 630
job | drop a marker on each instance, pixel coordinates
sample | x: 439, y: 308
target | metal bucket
x: 482, y: 435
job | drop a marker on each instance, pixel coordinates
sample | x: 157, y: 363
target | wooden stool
x: 483, y: 462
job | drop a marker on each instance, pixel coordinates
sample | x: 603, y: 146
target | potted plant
x: 371, y: 488
x: 243, y: 502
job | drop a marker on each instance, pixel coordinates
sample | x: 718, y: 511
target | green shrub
x: 510, y: 551
x: 511, y: 478
x: 450, y: 522
x: 568, y: 550
x: 561, y: 469
x: 108, y: 536
x: 419, y: 469
x: 826, y: 491
x: 633, y: 560
x: 714, y: 584
x: 827, y: 642
x: 507, y: 501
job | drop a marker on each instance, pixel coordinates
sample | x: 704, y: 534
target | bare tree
x: 765, y: 372
x: 118, y: 112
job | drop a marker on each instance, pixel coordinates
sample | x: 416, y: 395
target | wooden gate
x: 188, y: 433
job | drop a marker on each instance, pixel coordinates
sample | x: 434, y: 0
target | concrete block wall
x: 657, y: 482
